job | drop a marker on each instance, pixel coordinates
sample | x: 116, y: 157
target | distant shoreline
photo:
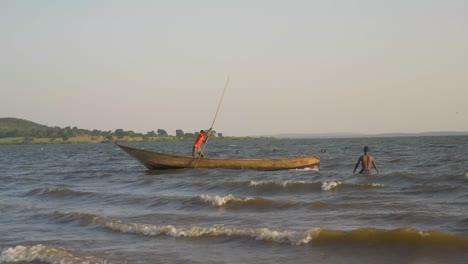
x: 358, y: 135
x: 98, y: 140
x: 20, y: 131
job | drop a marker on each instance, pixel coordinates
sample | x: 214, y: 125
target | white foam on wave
x: 315, y: 168
x: 327, y: 186
x: 423, y: 234
x: 281, y: 183
x: 54, y: 189
x: 222, y: 200
x: 46, y: 254
x: 264, y: 234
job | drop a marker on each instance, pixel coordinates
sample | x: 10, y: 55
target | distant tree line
x: 120, y: 133
x: 68, y: 132
x: 51, y: 132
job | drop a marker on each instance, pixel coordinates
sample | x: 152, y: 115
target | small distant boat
x: 157, y: 160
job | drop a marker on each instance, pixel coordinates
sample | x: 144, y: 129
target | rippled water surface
x: 95, y: 204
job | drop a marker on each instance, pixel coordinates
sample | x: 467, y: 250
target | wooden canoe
x: 157, y: 160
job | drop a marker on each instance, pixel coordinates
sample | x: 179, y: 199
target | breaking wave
x: 230, y: 199
x: 315, y: 168
x: 239, y: 201
x: 325, y: 186
x: 407, y: 236
x: 222, y: 200
x: 46, y: 254
x: 284, y: 184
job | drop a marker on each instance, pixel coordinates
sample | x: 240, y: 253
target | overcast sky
x: 366, y: 66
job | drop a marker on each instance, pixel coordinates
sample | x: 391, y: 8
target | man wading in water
x: 366, y: 160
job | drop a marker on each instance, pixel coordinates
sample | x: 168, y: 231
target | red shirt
x: 199, y: 140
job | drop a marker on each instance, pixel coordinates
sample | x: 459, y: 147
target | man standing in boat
x: 366, y: 160
x: 201, y: 138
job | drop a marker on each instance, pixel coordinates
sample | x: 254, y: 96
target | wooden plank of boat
x: 157, y: 160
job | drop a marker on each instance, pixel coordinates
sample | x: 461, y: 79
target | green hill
x: 20, y: 128
x: 14, y: 127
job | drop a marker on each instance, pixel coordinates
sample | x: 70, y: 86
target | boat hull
x: 157, y: 160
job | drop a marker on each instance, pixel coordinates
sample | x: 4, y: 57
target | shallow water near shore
x: 95, y: 204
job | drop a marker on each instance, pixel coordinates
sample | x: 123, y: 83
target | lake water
x: 95, y: 204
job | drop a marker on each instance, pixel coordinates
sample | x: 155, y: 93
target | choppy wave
x: 432, y: 188
x: 230, y: 199
x: 409, y: 236
x: 222, y: 200
x: 4, y: 207
x: 284, y: 184
x: 315, y: 168
x: 399, y: 177
x: 46, y: 254
x: 405, y: 236
x: 217, y: 200
x: 325, y: 186
x: 265, y: 234
x: 112, y: 198
x: 56, y: 192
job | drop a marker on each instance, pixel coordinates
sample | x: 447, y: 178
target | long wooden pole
x: 214, y: 120
x: 220, y: 101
